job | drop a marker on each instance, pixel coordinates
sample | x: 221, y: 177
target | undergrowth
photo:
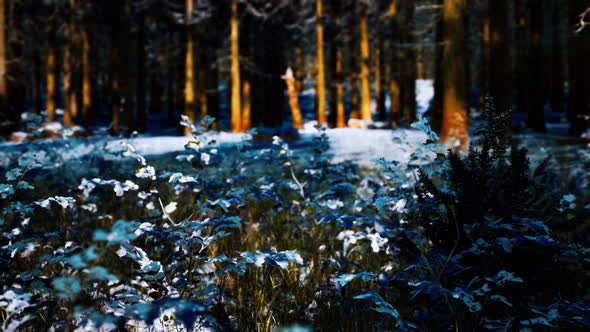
x: 255, y: 237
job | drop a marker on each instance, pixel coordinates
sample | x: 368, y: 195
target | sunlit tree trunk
x: 500, y: 71
x: 320, y: 63
x: 353, y: 71
x: 86, y: 77
x: 236, y: 103
x: 70, y: 98
x: 578, y: 111
x: 339, y: 90
x: 436, y: 113
x: 535, y: 95
x: 420, y: 63
x: 245, y: 45
x: 50, y: 78
x: 454, y: 126
x: 365, y: 71
x: 203, y: 76
x: 116, y: 67
x: 293, y: 102
x: 189, y: 88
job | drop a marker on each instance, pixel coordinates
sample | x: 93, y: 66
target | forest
x: 295, y: 165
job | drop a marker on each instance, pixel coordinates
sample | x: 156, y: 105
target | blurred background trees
x: 137, y: 65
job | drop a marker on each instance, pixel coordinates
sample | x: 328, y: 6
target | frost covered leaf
x: 130, y: 151
x: 205, y: 157
x: 344, y: 279
x: 180, y: 178
x: 64, y: 202
x: 144, y: 172
x: 171, y: 207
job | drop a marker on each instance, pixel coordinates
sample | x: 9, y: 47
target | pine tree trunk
x: 484, y: 82
x: 115, y: 75
x: 321, y: 68
x: 535, y: 96
x: 236, y: 103
x: 170, y: 79
x: 365, y: 65
x: 436, y: 116
x: 189, y: 88
x: 245, y: 44
x: 289, y: 78
x: 379, y: 93
x: 394, y: 81
x: 454, y: 126
x: 299, y: 69
x: 141, y: 80
x: 353, y: 70
x: 408, y: 61
x: 500, y: 70
x: 70, y: 99
x: 51, y: 62
x: 86, y: 78
x: 203, y: 76
x: 557, y: 68
x: 579, y: 81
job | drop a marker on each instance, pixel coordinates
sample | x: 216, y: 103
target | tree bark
x: 454, y: 126
x: 408, y: 61
x: 395, y: 75
x: 365, y: 65
x: 500, y: 71
x: 141, y: 80
x: 189, y: 88
x: 293, y: 102
x: 579, y: 81
x: 320, y: 63
x: 86, y: 77
x: 535, y: 96
x: 236, y: 103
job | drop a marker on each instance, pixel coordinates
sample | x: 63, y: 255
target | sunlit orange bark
x: 70, y: 99
x: 321, y: 78
x: 189, y: 88
x: 339, y: 99
x: 293, y: 102
x: 236, y: 107
x: 365, y: 73
x: 454, y: 126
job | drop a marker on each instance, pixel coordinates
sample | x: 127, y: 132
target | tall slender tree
x: 189, y: 79
x: 454, y: 126
x: 236, y: 103
x: 365, y: 65
x: 320, y: 63
x: 578, y: 111
x: 500, y: 69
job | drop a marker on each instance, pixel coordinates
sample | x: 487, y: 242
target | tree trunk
x: 535, y: 96
x: 115, y: 77
x: 579, y: 81
x: 353, y: 71
x: 395, y: 77
x: 189, y: 79
x: 436, y: 113
x: 141, y: 82
x: 337, y: 112
x: 170, y: 79
x: 69, y: 90
x: 500, y: 71
x: 321, y: 68
x: 557, y: 68
x: 236, y: 103
x: 408, y: 61
x: 454, y: 126
x: 299, y: 69
x: 365, y: 65
x: 484, y: 81
x: 293, y: 102
x: 379, y: 93
x: 86, y: 78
